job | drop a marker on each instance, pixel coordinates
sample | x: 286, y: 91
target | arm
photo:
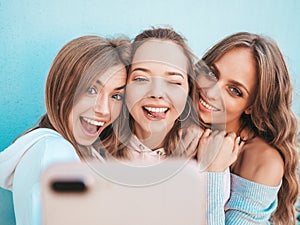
x: 26, y: 182
x: 254, y: 184
x: 253, y: 197
x: 250, y: 203
x: 216, y: 196
x: 216, y: 151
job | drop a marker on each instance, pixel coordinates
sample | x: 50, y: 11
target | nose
x: 157, y: 88
x: 212, y: 92
x: 101, y: 105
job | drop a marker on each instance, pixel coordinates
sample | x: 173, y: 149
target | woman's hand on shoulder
x: 190, y: 139
x: 217, y: 150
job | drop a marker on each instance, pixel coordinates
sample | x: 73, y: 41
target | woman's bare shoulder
x: 260, y: 162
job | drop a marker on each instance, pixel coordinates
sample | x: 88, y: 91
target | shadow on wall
x: 7, y: 216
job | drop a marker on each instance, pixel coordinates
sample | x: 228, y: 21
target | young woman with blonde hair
x: 159, y: 100
x: 160, y: 97
x: 249, y: 92
x: 83, y: 95
x: 150, y: 53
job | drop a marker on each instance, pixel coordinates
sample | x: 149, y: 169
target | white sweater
x: 21, y: 165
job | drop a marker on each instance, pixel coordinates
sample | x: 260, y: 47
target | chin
x: 205, y: 120
x: 85, y: 142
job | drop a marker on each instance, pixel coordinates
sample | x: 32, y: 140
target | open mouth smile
x: 90, y: 126
x: 156, y: 112
x: 206, y: 106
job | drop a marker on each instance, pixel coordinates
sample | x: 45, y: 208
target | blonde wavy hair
x: 272, y: 117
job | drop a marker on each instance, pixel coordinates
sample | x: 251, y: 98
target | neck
x: 152, y: 141
x: 244, y: 134
x: 227, y: 127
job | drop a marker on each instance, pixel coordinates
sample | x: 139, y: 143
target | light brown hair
x: 74, y: 68
x: 272, y: 117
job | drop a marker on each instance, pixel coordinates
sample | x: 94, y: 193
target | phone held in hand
x: 116, y: 193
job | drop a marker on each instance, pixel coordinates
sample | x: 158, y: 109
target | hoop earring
x: 190, y: 108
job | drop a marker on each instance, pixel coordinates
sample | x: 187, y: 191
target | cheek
x: 83, y: 105
x: 133, y: 95
x: 204, y: 82
x: 234, y: 107
x: 178, y: 96
x: 115, y: 110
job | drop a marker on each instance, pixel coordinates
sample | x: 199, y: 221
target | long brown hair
x: 74, y: 68
x: 124, y: 125
x: 272, y: 118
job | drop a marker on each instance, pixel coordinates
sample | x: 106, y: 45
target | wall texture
x: 32, y: 32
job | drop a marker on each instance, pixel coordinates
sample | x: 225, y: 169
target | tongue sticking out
x: 90, y: 128
x: 158, y: 115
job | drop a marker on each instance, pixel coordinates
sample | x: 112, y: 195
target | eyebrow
x: 149, y: 71
x: 240, y: 85
x: 117, y: 88
x: 216, y: 70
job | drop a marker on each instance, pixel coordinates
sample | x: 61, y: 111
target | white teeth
x: 93, y: 122
x: 207, y: 105
x: 152, y: 109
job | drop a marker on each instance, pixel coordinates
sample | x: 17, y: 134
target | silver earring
x: 190, y: 108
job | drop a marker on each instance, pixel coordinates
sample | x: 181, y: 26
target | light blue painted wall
x: 32, y: 32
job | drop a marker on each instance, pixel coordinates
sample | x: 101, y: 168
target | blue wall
x: 32, y: 32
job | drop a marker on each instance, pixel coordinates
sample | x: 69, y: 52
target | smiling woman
x: 158, y: 98
x: 156, y: 89
x: 230, y: 93
x: 99, y: 106
x: 248, y: 91
x: 84, y: 95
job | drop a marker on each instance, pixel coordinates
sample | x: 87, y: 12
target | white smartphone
x: 169, y: 193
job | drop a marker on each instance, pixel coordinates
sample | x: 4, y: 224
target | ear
x: 248, y: 111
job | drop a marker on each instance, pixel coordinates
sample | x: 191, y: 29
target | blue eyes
x: 235, y: 91
x: 232, y: 90
x: 140, y: 79
x: 116, y: 96
x: 91, y: 91
x: 212, y: 75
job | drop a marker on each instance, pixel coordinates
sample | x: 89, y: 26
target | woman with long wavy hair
x: 249, y: 92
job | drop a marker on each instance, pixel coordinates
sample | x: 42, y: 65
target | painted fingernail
x: 239, y: 140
